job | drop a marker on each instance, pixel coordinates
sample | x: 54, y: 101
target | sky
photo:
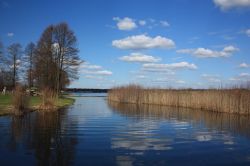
x: 154, y: 43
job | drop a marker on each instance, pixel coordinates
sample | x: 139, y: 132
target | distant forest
x: 86, y: 90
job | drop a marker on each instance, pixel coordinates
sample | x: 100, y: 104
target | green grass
x: 35, y: 101
x: 5, y: 102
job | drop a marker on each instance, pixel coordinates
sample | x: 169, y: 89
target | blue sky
x: 159, y: 43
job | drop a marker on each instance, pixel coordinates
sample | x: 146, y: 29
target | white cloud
x: 164, y: 23
x: 228, y: 4
x: 142, y: 22
x: 97, y: 72
x: 125, y: 24
x: 245, y: 75
x: 248, y: 32
x: 87, y: 65
x: 168, y: 67
x: 89, y: 70
x: 180, y: 82
x: 244, y: 65
x: 143, y: 42
x: 141, y: 76
x: 94, y: 77
x: 208, y: 53
x: 138, y: 57
x: 10, y: 34
x: 211, y: 78
x: 241, y: 77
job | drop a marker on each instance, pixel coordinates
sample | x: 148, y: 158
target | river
x: 94, y: 131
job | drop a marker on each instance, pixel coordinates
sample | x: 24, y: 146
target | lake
x: 94, y: 131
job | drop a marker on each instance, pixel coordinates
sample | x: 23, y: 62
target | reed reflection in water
x: 180, y: 134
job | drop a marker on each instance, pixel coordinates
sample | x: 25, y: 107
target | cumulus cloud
x: 244, y: 65
x: 143, y: 42
x: 10, y: 34
x: 168, y: 67
x: 138, y: 57
x: 125, y: 24
x: 208, y: 53
x: 229, y: 4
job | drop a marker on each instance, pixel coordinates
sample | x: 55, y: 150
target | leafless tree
x: 66, y: 56
x: 29, y: 63
x: 15, y: 52
x: 43, y: 62
x: 56, y: 59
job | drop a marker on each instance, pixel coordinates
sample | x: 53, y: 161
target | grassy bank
x: 224, y: 100
x: 34, y: 103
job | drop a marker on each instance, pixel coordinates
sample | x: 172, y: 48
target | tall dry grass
x: 20, y: 101
x: 49, y: 99
x: 218, y: 100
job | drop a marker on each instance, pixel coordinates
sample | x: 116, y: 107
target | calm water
x: 94, y: 132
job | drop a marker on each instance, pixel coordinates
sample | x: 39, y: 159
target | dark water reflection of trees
x: 46, y: 135
x: 236, y: 124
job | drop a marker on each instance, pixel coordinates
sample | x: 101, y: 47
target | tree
x: 56, y: 59
x: 1, y: 66
x: 15, y: 52
x: 44, y: 65
x: 29, y: 63
x: 66, y: 52
x: 1, y: 57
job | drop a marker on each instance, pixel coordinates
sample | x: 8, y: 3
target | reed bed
x: 217, y: 100
x: 20, y: 101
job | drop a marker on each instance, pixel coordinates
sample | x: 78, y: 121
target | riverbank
x: 217, y: 100
x: 34, y: 103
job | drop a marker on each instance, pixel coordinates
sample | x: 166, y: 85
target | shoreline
x: 62, y: 102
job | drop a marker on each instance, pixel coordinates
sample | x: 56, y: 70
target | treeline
x: 50, y: 63
x: 84, y: 90
x: 217, y: 100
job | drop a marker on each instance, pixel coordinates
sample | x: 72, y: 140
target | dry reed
x: 48, y: 100
x: 20, y: 101
x: 217, y: 100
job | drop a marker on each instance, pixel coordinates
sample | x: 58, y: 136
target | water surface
x: 96, y: 132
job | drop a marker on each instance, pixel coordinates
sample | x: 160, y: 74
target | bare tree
x: 66, y: 52
x: 56, y: 59
x: 1, y: 57
x: 1, y: 66
x: 43, y: 63
x: 15, y: 52
x: 29, y: 63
